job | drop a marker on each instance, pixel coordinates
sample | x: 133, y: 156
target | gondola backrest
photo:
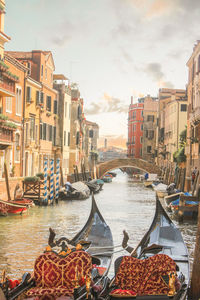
x: 144, y: 277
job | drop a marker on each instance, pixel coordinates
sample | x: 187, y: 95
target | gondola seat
x: 57, y: 276
x: 142, y: 277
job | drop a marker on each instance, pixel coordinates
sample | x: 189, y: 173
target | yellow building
x: 32, y: 126
x: 172, y: 121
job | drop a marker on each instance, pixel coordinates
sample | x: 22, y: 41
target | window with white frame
x: 18, y: 101
x: 9, y: 104
x: 17, y: 147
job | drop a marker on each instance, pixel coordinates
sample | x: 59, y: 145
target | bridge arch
x: 103, y: 168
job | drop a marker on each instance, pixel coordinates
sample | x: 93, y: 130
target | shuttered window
x: 28, y: 94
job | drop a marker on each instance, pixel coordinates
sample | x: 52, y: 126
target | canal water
x: 124, y: 204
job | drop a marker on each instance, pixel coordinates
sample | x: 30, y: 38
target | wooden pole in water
x: 195, y: 281
x: 7, y: 182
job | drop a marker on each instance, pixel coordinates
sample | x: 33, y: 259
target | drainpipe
x: 23, y: 135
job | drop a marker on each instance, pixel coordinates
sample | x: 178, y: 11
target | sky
x: 113, y: 49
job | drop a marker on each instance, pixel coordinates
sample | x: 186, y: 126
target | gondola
x: 96, y: 238
x: 163, y: 243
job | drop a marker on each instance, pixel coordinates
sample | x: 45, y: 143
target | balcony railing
x: 8, y: 87
x: 6, y: 134
x: 195, y: 115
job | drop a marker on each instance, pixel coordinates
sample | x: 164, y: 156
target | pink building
x: 135, y: 129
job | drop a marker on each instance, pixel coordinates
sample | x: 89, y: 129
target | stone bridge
x: 137, y: 163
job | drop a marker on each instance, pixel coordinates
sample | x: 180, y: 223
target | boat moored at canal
x: 77, y: 270
x: 159, y: 266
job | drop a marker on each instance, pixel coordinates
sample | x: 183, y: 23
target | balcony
x: 7, y: 89
x: 194, y: 116
x: 6, y: 135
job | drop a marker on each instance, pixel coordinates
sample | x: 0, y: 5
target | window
x: 134, y: 127
x: 37, y: 97
x: 17, y: 147
x: 134, y: 114
x: 68, y: 138
x: 41, y: 97
x: 41, y: 131
x: 9, y: 104
x: 148, y: 149
x: 91, y: 133
x: 44, y: 131
x: 150, y: 118
x: 19, y: 101
x: 29, y: 67
x: 48, y: 104
x: 150, y: 134
x: 42, y: 70
x: 134, y: 140
x: 50, y: 132
x: 32, y: 128
x: 79, y: 112
x: 28, y: 94
x: 46, y: 73
x: 141, y: 140
x: 54, y: 135
x: 142, y: 113
x: 183, y: 107
x: 55, y: 107
x: 64, y: 138
x: 27, y: 135
x: 77, y: 138
x: 141, y: 126
x: 36, y: 133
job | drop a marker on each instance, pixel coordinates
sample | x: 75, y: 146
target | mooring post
x: 195, y: 281
x: 51, y: 180
x: 45, y: 181
x: 57, y: 177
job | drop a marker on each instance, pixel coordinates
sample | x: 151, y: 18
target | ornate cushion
x: 57, y: 275
x: 51, y: 292
x: 144, y: 277
x: 123, y: 293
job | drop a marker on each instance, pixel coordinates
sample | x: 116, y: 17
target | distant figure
x: 146, y: 176
x: 194, y: 172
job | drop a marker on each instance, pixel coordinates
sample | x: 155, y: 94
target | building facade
x: 193, y: 123
x: 150, y: 116
x: 41, y: 66
x: 64, y: 112
x: 172, y: 121
x: 135, y: 129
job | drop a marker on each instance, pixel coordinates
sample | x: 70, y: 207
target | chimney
x: 131, y: 99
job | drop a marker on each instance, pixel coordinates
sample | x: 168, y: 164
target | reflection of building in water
x: 109, y: 153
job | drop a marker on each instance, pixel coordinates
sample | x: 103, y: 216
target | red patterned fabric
x: 144, y: 277
x: 55, y: 275
x: 123, y: 293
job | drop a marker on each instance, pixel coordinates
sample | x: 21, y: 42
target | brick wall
x: 12, y: 183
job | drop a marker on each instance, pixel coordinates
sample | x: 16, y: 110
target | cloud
x: 154, y: 70
x: 108, y: 104
x: 94, y: 109
x: 158, y: 8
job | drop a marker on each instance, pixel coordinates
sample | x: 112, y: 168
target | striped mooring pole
x: 45, y: 181
x: 51, y: 180
x: 57, y: 177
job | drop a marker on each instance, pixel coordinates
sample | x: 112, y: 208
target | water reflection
x: 123, y: 203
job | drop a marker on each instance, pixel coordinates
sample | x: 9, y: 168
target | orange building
x: 12, y: 74
x: 41, y: 67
